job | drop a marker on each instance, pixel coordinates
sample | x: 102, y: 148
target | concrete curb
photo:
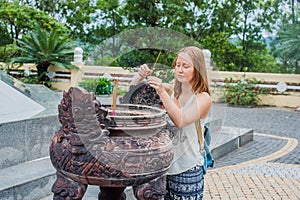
x: 289, y: 147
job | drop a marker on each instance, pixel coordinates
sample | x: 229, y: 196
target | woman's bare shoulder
x: 204, y: 102
x: 204, y: 97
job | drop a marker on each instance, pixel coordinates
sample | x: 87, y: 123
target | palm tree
x: 44, y: 49
x: 288, y: 44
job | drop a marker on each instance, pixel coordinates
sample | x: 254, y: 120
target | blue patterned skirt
x: 188, y: 185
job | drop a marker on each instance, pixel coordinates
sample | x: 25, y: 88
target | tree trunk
x: 42, y: 73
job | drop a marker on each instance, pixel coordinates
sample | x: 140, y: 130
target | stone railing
x: 285, y: 88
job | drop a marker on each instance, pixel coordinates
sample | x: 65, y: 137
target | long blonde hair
x: 199, y: 81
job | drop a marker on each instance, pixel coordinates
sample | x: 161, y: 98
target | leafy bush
x: 33, y: 79
x: 98, y: 86
x: 7, y: 52
x: 242, y: 92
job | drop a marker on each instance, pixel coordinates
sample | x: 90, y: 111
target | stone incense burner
x: 113, y: 150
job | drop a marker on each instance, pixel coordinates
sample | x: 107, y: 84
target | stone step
x: 229, y: 139
x: 26, y: 140
x: 33, y: 180
x: 27, y: 181
x: 92, y: 193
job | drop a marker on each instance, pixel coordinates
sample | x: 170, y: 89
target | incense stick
x: 153, y: 68
x: 114, y: 97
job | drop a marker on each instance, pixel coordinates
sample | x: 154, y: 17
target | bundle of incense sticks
x: 114, y: 98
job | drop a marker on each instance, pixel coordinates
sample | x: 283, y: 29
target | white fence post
x: 76, y: 75
x: 78, y: 55
x: 207, y: 56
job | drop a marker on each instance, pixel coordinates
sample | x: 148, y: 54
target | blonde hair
x: 199, y: 81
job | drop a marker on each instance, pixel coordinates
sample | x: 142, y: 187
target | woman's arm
x: 198, y: 109
x: 142, y: 73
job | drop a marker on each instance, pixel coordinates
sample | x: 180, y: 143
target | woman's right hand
x: 141, y: 74
x: 144, y: 71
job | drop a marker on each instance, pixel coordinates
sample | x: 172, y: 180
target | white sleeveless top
x: 186, y: 147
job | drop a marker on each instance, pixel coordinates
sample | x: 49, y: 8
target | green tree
x: 288, y: 46
x: 111, y: 22
x: 224, y: 18
x: 261, y: 59
x: 213, y: 24
x: 7, y: 52
x: 92, y: 22
x: 140, y: 13
x: 44, y: 49
x: 191, y: 17
x: 256, y: 16
x: 18, y: 20
x: 4, y: 35
x: 226, y: 56
x: 76, y: 15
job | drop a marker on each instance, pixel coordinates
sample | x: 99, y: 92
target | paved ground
x: 268, y: 167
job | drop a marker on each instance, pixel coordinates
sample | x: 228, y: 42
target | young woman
x: 189, y: 103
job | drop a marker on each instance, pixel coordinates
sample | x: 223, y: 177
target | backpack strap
x: 208, y: 157
x: 200, y: 134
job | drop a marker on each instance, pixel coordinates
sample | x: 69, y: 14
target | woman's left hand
x: 156, y: 83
